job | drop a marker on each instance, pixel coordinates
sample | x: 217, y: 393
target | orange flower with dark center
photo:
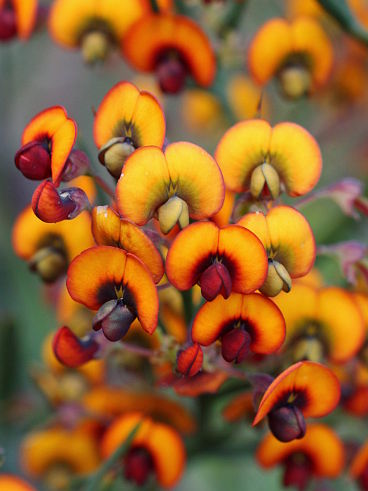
x: 49, y: 247
x: 255, y: 157
x: 316, y: 323
x: 156, y: 448
x: 174, y: 185
x: 17, y: 18
x: 159, y: 43
x: 319, y: 454
x: 289, y: 243
x: 359, y: 467
x: 304, y: 390
x: 118, y: 285
x: 94, y: 26
x: 126, y: 119
x: 47, y: 141
x: 298, y: 52
x: 219, y: 260
x: 243, y: 323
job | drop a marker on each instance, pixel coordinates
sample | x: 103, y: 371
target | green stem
x: 232, y: 17
x: 341, y: 12
x: 155, y: 7
x: 188, y: 306
x: 93, y: 482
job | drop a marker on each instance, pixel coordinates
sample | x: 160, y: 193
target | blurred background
x: 38, y: 74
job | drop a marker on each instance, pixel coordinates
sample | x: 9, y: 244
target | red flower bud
x: 171, y: 73
x: 72, y: 351
x: 235, y: 345
x: 214, y: 280
x: 8, y: 25
x: 34, y: 161
x: 51, y: 205
x: 287, y: 423
x: 138, y: 465
x: 297, y: 471
x: 189, y: 360
x: 114, y: 318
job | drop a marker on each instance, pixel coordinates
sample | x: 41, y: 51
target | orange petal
x: 270, y: 46
x: 109, y: 229
x: 45, y: 123
x: 191, y: 253
x: 26, y: 14
x: 296, y: 156
x: 257, y: 223
x: 9, y: 482
x: 242, y: 148
x: 246, y: 98
x: 262, y: 319
x: 127, y: 112
x: 202, y: 383
x: 62, y: 144
x: 247, y: 264
x: 309, y: 38
x: 162, y: 442
x: 239, y: 408
x: 197, y: 178
x: 316, y: 384
x: 45, y: 448
x: 223, y: 216
x: 336, y: 310
x: 357, y: 402
x: 359, y: 462
x: 156, y: 34
x: 143, y: 185
x: 318, y: 442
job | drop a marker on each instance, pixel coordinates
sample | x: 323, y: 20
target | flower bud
x: 298, y: 471
x: 235, y: 345
x: 76, y: 165
x: 51, y: 205
x: 174, y: 211
x: 49, y: 263
x: 95, y: 47
x: 308, y: 348
x: 171, y: 73
x: 114, y: 318
x: 114, y: 154
x: 189, y: 360
x: 72, y: 351
x: 295, y: 81
x: 34, y: 161
x: 265, y: 182
x: 278, y: 279
x: 287, y: 423
x: 138, y: 465
x: 214, y: 280
x: 8, y: 24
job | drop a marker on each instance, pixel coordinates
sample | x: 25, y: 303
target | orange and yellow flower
x: 94, y: 26
x: 304, y: 390
x: 126, y: 119
x: 255, y: 157
x: 159, y: 43
x: 289, y: 242
x: 221, y: 261
x: 118, y: 285
x: 156, y: 448
x: 243, y: 323
x: 174, y: 185
x: 10, y: 482
x: 49, y: 247
x: 298, y: 52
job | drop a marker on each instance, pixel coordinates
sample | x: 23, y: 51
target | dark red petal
x: 235, y: 345
x: 72, y: 351
x: 214, y: 280
x: 34, y: 161
x: 287, y: 423
x: 189, y: 360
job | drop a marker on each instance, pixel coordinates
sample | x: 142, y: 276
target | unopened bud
x: 308, y: 348
x: 34, y: 161
x: 174, y: 211
x: 295, y: 81
x: 95, y: 47
x: 287, y: 423
x: 265, y: 182
x: 278, y: 279
x: 72, y: 351
x: 114, y: 154
x: 189, y: 360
